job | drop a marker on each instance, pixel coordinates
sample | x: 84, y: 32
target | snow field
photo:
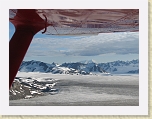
x: 89, y: 90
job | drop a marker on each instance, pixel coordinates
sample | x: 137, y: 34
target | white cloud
x: 119, y: 43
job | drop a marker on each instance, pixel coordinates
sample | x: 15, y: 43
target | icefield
x: 85, y: 90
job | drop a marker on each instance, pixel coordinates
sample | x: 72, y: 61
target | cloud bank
x: 117, y: 43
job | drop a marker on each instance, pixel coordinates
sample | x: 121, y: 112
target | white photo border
x: 142, y: 109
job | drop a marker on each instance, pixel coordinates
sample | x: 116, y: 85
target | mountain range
x: 83, y: 67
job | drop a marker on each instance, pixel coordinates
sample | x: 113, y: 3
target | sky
x: 104, y: 47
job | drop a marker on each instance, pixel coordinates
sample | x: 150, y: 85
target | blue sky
x: 105, y: 47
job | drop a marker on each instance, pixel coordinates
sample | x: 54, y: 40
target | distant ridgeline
x: 83, y: 67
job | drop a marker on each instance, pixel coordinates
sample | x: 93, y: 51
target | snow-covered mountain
x: 88, y: 61
x: 82, y: 67
x: 87, y: 68
x: 121, y: 66
x: 29, y: 87
x: 36, y: 66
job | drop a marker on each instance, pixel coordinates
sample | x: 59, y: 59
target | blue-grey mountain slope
x: 82, y: 67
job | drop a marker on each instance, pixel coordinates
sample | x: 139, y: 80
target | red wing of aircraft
x: 28, y: 22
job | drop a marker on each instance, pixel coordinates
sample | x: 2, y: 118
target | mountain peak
x: 88, y: 61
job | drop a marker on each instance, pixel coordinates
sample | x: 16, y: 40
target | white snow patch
x: 28, y: 96
x: 33, y: 92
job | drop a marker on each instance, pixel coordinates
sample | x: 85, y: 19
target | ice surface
x: 90, y: 90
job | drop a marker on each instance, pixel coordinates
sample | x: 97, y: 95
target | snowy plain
x: 85, y: 90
